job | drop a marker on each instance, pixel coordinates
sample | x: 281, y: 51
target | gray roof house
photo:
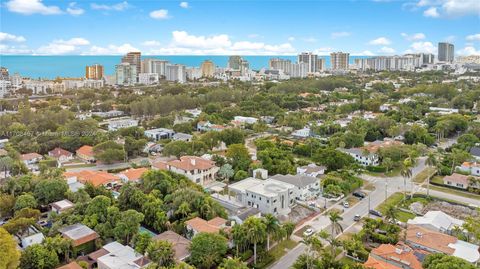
x: 307, y: 187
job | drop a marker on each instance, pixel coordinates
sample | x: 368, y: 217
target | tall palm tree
x: 335, y: 219
x: 272, y: 226
x: 431, y: 161
x: 391, y: 213
x: 5, y: 164
x: 256, y: 233
x: 240, y: 239
x: 406, y: 173
x: 313, y: 243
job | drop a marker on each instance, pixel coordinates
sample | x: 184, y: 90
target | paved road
x: 374, y: 199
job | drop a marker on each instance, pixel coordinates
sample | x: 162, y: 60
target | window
x: 275, y: 210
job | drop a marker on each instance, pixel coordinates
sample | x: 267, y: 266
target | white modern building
x: 362, y: 157
x: 114, y: 125
x: 148, y: 78
x: 268, y: 196
x: 159, y: 133
x: 306, y: 187
x: 176, y: 72
x: 248, y: 120
x: 125, y: 74
x: 120, y: 256
x: 302, y: 133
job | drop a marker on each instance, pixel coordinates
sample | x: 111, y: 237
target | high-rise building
x: 391, y: 63
x: 176, y: 72
x: 321, y: 63
x: 280, y: 64
x: 339, y: 60
x: 3, y: 73
x: 125, y: 74
x: 207, y: 68
x: 154, y: 66
x: 234, y: 62
x: 446, y: 52
x: 310, y: 59
x: 94, y: 71
x: 133, y: 58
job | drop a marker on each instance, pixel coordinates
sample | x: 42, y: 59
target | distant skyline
x: 248, y: 27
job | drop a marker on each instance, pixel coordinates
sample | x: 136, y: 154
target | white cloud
x: 29, y: 7
x: 450, y: 38
x: 475, y: 37
x: 422, y: 47
x: 184, y: 5
x: 151, y: 43
x: 72, y: 9
x: 111, y: 50
x: 161, y: 14
x: 469, y: 50
x: 6, y: 49
x: 116, y: 7
x: 60, y: 46
x: 340, y: 34
x: 431, y: 12
x: 380, y: 41
x: 183, y: 39
x: 387, y: 50
x: 6, y: 37
x: 291, y: 38
x: 220, y: 44
x: 449, y: 8
x: 413, y: 37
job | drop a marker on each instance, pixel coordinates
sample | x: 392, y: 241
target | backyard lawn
x: 395, y: 200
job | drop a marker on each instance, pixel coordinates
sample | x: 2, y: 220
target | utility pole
x: 386, y: 193
x: 369, y: 205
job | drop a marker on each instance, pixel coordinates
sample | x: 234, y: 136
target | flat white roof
x: 466, y: 251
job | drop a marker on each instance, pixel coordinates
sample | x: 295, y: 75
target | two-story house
x: 268, y: 196
x: 199, y: 170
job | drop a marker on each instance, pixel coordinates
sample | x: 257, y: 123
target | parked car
x: 375, y: 213
x: 357, y: 218
x: 346, y: 204
x: 359, y: 194
x: 308, y: 232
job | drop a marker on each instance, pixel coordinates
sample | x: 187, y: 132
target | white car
x: 308, y: 232
x: 346, y: 204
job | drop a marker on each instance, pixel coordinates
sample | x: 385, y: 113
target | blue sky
x: 246, y: 27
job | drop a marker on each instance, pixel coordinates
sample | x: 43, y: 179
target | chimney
x: 193, y: 161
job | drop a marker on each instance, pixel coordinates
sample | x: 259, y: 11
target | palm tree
x: 256, y: 233
x: 391, y: 213
x: 5, y: 164
x: 272, y: 226
x: 431, y: 161
x: 239, y: 236
x: 335, y: 217
x: 313, y: 243
x: 406, y: 172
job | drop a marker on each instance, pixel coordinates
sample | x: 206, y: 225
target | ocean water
x: 51, y: 67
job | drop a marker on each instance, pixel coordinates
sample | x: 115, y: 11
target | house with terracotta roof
x: 198, y: 170
x: 83, y: 238
x: 132, y: 174
x: 457, y: 181
x: 85, y: 153
x: 199, y: 225
x: 388, y: 256
x: 72, y: 265
x: 31, y: 160
x: 96, y: 178
x: 61, y: 155
x: 180, y: 244
x: 435, y: 242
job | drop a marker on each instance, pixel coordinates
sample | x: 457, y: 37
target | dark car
x: 375, y: 213
x: 357, y: 217
x: 359, y: 194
